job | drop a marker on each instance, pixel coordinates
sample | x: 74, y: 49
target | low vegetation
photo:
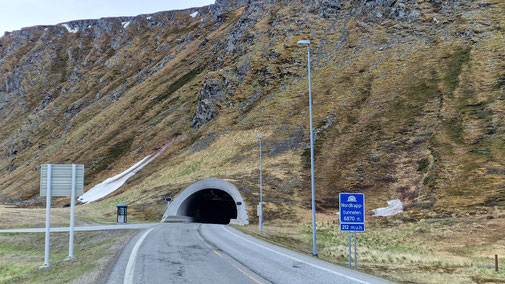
x: 440, y: 250
x: 21, y: 255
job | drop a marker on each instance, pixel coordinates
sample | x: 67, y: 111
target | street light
x: 314, y: 249
x: 260, y: 211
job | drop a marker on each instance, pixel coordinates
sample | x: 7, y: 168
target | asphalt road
x: 207, y: 253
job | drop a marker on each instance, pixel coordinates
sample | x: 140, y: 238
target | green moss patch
x: 455, y: 67
x: 113, y: 154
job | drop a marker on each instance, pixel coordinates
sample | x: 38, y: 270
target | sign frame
x: 351, y: 224
x: 354, y: 221
x: 60, y: 180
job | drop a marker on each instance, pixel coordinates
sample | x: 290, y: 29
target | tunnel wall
x: 180, y: 203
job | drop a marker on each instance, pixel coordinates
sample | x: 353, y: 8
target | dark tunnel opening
x: 211, y: 206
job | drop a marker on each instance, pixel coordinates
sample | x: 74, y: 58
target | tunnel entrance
x: 210, y: 200
x: 211, y: 206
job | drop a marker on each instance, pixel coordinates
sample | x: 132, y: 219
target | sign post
x: 61, y: 180
x: 48, y: 214
x: 349, y: 235
x: 72, y: 213
x: 355, y: 252
x: 352, y: 218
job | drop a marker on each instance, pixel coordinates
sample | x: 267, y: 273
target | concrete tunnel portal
x: 210, y: 200
x: 209, y: 206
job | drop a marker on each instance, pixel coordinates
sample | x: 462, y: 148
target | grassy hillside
x: 407, y: 104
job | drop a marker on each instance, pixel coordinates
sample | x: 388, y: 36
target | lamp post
x: 261, y: 191
x: 314, y: 249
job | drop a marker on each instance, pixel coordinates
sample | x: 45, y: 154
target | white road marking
x: 205, y: 242
x: 130, y: 267
x: 297, y: 259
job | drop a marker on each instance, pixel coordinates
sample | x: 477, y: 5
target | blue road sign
x: 352, y: 212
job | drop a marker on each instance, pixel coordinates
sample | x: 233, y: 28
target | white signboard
x: 61, y: 180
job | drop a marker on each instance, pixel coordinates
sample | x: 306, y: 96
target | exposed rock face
x: 213, y: 93
x: 223, y: 6
x: 13, y: 83
x: 399, y: 10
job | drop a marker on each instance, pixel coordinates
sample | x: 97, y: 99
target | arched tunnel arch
x: 209, y: 205
x: 210, y: 200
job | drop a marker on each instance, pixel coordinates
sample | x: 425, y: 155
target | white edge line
x: 297, y: 259
x: 130, y: 267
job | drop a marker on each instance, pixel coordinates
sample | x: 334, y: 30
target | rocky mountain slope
x: 408, y: 102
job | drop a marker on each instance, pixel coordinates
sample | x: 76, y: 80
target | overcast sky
x: 15, y: 14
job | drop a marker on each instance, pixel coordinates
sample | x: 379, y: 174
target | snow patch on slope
x: 112, y: 184
x: 125, y: 24
x: 395, y: 206
x: 194, y: 14
x: 70, y: 29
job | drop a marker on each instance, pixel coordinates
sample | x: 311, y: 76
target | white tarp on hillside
x: 395, y: 206
x: 112, y: 184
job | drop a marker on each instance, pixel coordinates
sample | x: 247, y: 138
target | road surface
x: 208, y: 253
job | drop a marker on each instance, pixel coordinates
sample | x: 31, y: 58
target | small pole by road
x: 261, y: 191
x: 168, y: 199
x: 496, y: 262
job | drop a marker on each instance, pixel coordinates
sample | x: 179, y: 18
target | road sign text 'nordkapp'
x: 352, y: 212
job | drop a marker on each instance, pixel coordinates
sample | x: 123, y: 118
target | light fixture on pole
x: 314, y: 244
x: 260, y: 206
